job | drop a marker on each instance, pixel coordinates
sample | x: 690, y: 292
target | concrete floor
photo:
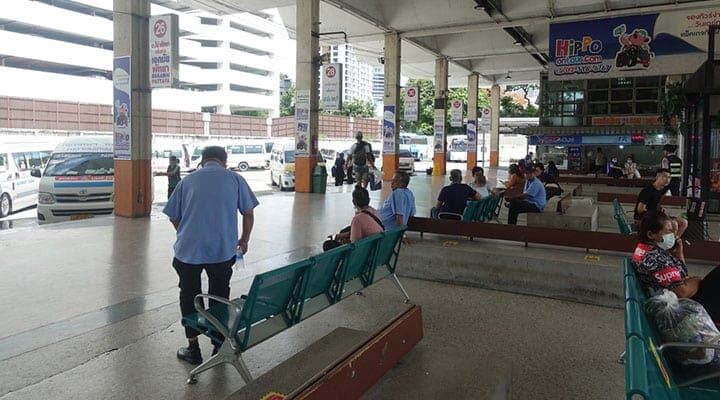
x: 91, y: 313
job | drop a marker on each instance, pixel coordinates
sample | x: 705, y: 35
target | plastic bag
x: 684, y: 320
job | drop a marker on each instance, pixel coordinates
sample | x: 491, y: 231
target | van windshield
x: 289, y: 156
x: 76, y: 164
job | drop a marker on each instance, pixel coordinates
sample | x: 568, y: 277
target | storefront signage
x: 486, y: 119
x: 164, y: 57
x: 122, y: 138
x: 412, y: 95
x: 629, y: 120
x: 332, y: 86
x: 555, y: 140
x: 664, y: 43
x: 607, y: 139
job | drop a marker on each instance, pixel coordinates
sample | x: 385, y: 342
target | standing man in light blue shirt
x: 531, y: 200
x: 203, y: 208
x: 400, y: 206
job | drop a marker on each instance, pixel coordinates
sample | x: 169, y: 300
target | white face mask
x: 668, y: 241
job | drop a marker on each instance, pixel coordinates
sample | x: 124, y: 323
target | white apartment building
x: 62, y: 50
x: 378, y: 84
x: 357, y: 76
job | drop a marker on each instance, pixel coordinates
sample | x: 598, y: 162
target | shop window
x: 621, y: 82
x: 646, y: 107
x: 598, y: 108
x: 621, y: 95
x: 647, y: 94
x: 598, y: 95
x: 598, y: 84
x: 572, y: 109
x: 621, y: 108
x: 647, y: 81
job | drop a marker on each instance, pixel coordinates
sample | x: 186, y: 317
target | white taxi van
x: 282, y: 165
x: 78, y: 180
x: 20, y: 165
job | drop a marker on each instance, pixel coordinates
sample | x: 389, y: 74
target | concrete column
x: 307, y: 79
x: 392, y: 98
x: 133, y: 178
x: 472, y: 115
x: 495, y: 126
x: 440, y: 121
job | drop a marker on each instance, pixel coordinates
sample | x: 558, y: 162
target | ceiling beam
x: 473, y: 27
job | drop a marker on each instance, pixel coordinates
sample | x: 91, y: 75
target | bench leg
x: 225, y: 355
x: 402, y: 289
x: 621, y: 358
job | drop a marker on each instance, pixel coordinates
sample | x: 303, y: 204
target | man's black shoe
x: 190, y: 355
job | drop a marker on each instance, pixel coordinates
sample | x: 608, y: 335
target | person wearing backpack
x: 360, y: 158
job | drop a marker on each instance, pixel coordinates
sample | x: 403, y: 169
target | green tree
x: 356, y: 108
x: 287, y: 103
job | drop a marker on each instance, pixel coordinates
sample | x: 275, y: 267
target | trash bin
x: 319, y: 179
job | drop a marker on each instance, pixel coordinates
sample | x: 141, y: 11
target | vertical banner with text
x: 331, y: 87
x: 302, y: 123
x: 389, y: 130
x: 439, y: 132
x: 164, y: 57
x: 412, y: 96
x: 456, y: 113
x: 121, y: 108
x: 471, y: 136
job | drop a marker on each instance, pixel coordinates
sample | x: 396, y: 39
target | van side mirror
x: 36, y: 172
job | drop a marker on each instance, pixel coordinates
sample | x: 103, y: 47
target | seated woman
x: 366, y: 221
x: 552, y: 171
x: 631, y: 168
x: 515, y: 178
x: 480, y: 183
x: 659, y: 263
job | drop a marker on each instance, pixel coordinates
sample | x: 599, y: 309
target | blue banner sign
x: 664, y: 43
x: 555, y: 140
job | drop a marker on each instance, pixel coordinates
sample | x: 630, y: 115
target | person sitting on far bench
x: 453, y: 197
x: 532, y: 198
x: 650, y: 197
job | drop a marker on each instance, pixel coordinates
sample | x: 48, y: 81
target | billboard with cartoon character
x: 121, y: 108
x: 664, y: 43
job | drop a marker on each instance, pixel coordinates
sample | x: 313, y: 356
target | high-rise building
x: 378, y: 84
x: 357, y: 76
x: 63, y: 50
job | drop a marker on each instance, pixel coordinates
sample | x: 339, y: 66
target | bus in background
x: 18, y: 183
x: 78, y: 181
x: 420, y: 146
x: 457, y: 148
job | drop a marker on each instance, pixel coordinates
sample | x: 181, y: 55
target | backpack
x: 360, y: 153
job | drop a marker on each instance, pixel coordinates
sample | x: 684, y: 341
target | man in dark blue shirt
x: 452, y: 198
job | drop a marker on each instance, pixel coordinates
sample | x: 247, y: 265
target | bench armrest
x: 683, y: 345
x: 234, y: 307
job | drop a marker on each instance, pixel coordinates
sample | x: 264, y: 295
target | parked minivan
x: 78, y: 181
x: 247, y: 154
x: 18, y: 183
x: 282, y: 165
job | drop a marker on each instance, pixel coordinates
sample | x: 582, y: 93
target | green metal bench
x: 280, y: 298
x: 621, y: 218
x: 648, y: 375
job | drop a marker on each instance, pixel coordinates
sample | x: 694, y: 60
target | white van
x: 282, y: 165
x: 78, y: 181
x: 247, y: 154
x: 18, y: 183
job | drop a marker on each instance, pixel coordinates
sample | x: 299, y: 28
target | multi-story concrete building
x: 357, y: 76
x: 62, y: 50
x: 378, y: 84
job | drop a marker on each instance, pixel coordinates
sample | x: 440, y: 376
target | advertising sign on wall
x: 389, y: 130
x: 412, y: 96
x: 164, y: 58
x: 302, y: 122
x: 456, y: 113
x: 663, y: 43
x: 331, y: 86
x: 555, y: 140
x: 121, y: 108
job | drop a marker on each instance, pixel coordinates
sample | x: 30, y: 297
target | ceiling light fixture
x: 508, y: 76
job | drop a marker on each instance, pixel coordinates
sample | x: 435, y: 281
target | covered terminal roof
x: 504, y: 41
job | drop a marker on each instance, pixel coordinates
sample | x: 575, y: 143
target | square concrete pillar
x: 391, y: 106
x: 440, y: 120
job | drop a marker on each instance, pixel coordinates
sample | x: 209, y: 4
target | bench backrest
x: 388, y: 251
x: 320, y: 282
x: 564, y: 203
x: 270, y: 300
x: 621, y: 218
x: 481, y: 213
x: 357, y: 268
